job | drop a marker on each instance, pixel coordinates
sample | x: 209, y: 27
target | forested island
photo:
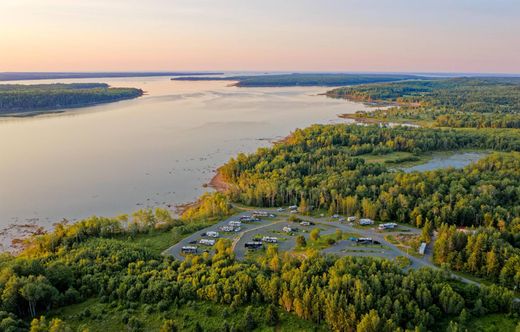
x: 24, y: 100
x: 300, y: 79
x: 477, y: 102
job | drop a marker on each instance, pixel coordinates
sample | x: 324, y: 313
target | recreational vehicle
x: 366, y: 221
x: 270, y: 239
x: 207, y: 242
x: 189, y: 250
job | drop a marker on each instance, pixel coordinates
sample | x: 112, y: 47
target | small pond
x: 456, y: 160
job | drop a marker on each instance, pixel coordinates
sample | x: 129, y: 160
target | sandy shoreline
x: 218, y: 183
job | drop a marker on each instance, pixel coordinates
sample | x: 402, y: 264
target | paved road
x: 273, y: 227
x: 176, y: 250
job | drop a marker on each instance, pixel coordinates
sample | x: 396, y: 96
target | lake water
x: 457, y: 160
x: 157, y: 150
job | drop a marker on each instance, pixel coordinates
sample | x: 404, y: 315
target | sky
x: 261, y: 35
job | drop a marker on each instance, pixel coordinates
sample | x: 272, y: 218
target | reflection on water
x: 156, y: 150
x: 458, y: 160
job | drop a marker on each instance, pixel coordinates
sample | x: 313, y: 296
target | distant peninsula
x: 304, y: 79
x: 28, y: 100
x: 17, y: 76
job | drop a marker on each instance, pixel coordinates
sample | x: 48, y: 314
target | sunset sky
x: 289, y: 35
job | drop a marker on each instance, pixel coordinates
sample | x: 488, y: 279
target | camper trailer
x: 235, y: 223
x: 253, y: 245
x: 270, y: 239
x: 207, y: 242
x: 351, y: 219
x: 189, y: 250
x: 212, y: 234
x: 366, y: 221
x: 390, y: 225
x: 287, y: 229
x: 227, y: 229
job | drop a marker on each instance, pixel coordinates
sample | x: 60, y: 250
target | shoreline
x: 218, y: 183
x: 54, y: 111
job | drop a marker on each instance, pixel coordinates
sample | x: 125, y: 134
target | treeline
x: 29, y: 98
x: 485, y: 253
x: 439, y: 117
x: 299, y: 79
x: 66, y: 235
x: 209, y: 208
x: 321, y: 167
x: 345, y: 294
x: 453, y: 102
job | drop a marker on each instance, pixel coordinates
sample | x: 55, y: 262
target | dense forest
x: 97, y: 259
x: 296, y: 79
x: 485, y: 253
x: 454, y: 102
x: 17, y: 98
x: 323, y: 167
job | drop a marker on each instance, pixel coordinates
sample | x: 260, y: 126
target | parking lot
x: 254, y: 231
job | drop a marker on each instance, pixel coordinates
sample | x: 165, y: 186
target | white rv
x: 189, y: 250
x: 270, y: 239
x: 212, y: 234
x: 366, y: 221
x: 207, y: 242
x: 390, y: 225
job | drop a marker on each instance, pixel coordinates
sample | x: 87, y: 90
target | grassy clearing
x: 111, y: 317
x: 494, y: 323
x: 408, y: 243
x: 393, y: 157
x: 326, y: 241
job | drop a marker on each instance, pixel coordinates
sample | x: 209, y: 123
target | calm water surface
x: 457, y: 160
x: 156, y: 150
